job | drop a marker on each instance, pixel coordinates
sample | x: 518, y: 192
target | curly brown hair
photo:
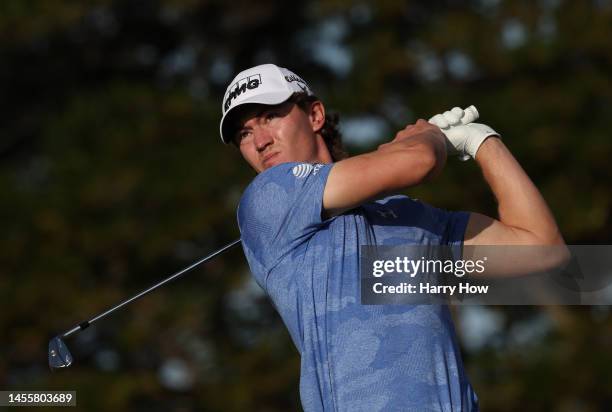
x: 330, y: 132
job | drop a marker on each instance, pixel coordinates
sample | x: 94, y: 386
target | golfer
x: 310, y: 208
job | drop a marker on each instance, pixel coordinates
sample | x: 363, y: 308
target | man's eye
x: 243, y: 135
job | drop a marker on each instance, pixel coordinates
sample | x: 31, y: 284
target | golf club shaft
x: 85, y: 324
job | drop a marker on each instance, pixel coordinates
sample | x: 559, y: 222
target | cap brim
x: 264, y: 98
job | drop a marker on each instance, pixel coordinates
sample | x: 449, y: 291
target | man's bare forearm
x: 414, y: 148
x: 521, y: 207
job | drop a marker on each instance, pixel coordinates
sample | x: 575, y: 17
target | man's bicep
x: 350, y: 183
x: 359, y: 179
x: 484, y: 230
x: 509, y: 251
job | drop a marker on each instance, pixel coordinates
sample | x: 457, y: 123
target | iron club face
x: 59, y: 355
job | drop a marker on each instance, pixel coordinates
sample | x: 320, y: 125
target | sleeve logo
x: 302, y: 170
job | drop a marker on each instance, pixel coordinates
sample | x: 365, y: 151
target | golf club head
x: 59, y: 355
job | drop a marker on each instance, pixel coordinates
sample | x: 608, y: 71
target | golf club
x: 59, y: 355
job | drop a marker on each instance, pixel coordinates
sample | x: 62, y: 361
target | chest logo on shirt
x: 386, y: 213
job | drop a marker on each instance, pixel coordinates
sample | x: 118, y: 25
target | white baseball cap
x: 263, y: 84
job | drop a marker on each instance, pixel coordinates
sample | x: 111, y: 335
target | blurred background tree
x: 113, y: 176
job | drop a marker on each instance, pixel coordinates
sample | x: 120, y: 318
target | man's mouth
x: 269, y: 158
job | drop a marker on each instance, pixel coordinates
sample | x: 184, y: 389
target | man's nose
x: 263, y: 138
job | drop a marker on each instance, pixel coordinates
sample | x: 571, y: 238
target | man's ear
x: 317, y: 116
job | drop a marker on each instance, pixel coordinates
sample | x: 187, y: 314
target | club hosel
x: 79, y: 327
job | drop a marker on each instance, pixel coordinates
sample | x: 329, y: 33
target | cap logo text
x: 241, y: 86
x: 295, y: 78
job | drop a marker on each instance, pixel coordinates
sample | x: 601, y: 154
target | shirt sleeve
x: 455, y: 227
x: 409, y: 221
x: 279, y: 212
x: 455, y: 232
x: 451, y: 228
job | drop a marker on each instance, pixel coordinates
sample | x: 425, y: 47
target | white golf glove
x: 463, y: 138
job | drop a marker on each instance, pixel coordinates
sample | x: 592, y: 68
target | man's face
x: 270, y: 135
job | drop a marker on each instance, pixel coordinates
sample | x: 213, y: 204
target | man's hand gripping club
x: 463, y: 137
